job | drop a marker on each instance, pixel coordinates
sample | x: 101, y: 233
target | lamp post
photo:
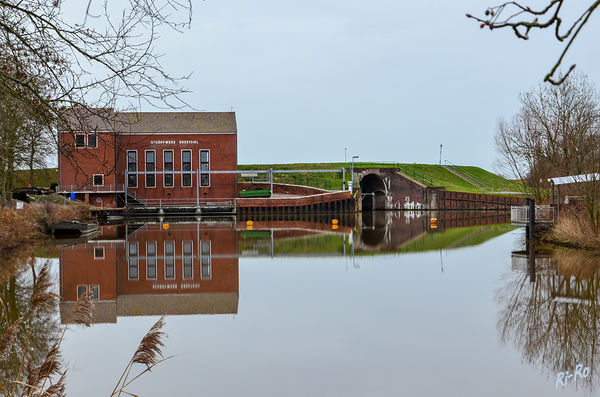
x: 352, y: 174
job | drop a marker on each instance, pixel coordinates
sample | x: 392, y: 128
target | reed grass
x: 575, y: 229
x: 49, y: 378
x: 33, y: 222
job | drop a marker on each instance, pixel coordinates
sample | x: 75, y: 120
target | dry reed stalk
x: 83, y: 312
x: 575, y: 230
x: 148, y: 353
x: 8, y: 338
x: 41, y: 296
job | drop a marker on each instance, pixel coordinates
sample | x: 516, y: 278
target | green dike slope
x: 457, y: 237
x: 259, y: 242
x: 496, y: 182
x: 41, y: 178
x: 438, y: 175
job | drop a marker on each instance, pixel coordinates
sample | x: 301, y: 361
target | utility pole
x: 441, y: 154
x: 345, y: 150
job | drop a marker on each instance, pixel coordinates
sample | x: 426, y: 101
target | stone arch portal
x: 374, y: 192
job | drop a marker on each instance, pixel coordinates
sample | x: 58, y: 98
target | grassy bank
x: 41, y: 178
x: 573, y: 230
x: 429, y: 174
x: 432, y: 175
x: 32, y: 223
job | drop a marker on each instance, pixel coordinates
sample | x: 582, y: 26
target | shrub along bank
x: 33, y: 222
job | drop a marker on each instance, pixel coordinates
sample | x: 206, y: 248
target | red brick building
x: 109, y: 157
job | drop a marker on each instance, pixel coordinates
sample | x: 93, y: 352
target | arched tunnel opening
x: 373, y: 192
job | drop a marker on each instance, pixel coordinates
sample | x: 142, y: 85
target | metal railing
x: 415, y: 174
x: 469, y: 175
x: 88, y: 188
x: 543, y: 214
x: 185, y: 202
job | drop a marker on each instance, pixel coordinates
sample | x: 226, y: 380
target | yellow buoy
x: 249, y: 227
x: 334, y: 221
x: 433, y: 223
x: 249, y: 223
x: 166, y: 226
x: 334, y: 227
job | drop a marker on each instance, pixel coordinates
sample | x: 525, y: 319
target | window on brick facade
x: 132, y: 167
x: 79, y: 140
x: 186, y: 165
x: 94, y: 291
x: 204, y: 166
x: 81, y: 291
x: 98, y: 180
x: 169, y: 260
x: 205, y: 259
x: 92, y: 140
x: 133, y: 261
x: 151, y: 260
x: 168, y: 166
x: 150, y: 167
x: 98, y: 252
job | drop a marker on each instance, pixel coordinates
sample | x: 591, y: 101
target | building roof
x: 177, y: 122
x: 148, y: 122
x: 563, y: 180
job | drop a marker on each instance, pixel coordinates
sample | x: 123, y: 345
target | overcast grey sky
x: 389, y: 80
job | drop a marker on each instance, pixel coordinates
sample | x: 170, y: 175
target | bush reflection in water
x: 551, y: 312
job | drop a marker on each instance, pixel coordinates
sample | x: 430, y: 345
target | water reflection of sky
x: 315, y: 325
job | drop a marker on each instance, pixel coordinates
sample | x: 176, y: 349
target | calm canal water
x: 388, y: 304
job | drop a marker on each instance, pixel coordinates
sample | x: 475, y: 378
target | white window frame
x: 145, y: 169
x: 172, y: 171
x: 94, y: 179
x: 174, y: 261
x: 190, y: 172
x: 87, y: 140
x: 103, y: 254
x: 183, y: 258
x: 84, y: 141
x: 209, y: 256
x: 136, y: 168
x: 90, y: 291
x: 77, y: 291
x: 200, y: 166
x: 137, y: 249
x: 155, y: 260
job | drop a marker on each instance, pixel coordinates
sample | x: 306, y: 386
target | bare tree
x: 554, y: 321
x: 50, y: 65
x: 556, y: 133
x: 523, y: 19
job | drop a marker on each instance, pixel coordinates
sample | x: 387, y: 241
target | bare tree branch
x: 521, y: 19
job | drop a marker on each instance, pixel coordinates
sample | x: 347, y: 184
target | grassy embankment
x: 451, y: 238
x: 433, y: 175
x: 41, y: 178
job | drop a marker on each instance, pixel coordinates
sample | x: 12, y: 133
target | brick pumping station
x: 155, y: 164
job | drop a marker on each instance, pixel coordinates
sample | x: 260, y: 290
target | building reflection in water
x: 549, y: 309
x: 193, y: 268
x: 185, y: 269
